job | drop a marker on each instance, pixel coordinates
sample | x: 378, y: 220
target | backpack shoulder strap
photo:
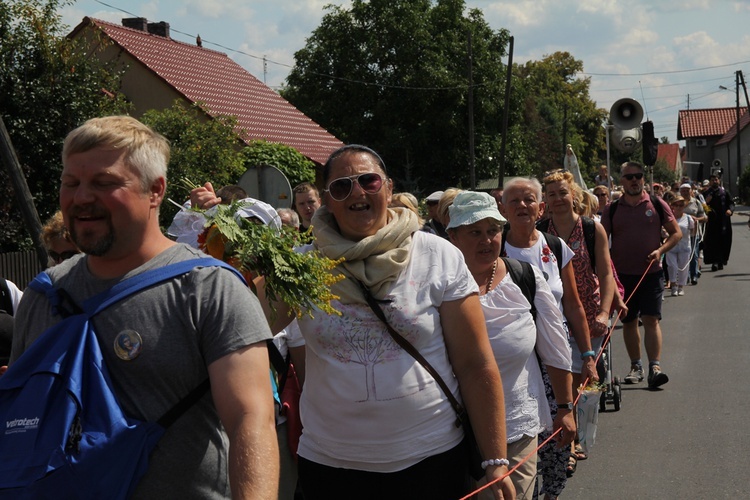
x: 655, y: 201
x: 612, y: 210
x: 543, y: 225
x: 125, y: 288
x: 522, y: 275
x: 555, y: 244
x: 6, y: 303
x: 506, y: 228
x: 589, y: 236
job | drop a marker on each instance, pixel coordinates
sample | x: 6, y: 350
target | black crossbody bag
x: 473, y: 455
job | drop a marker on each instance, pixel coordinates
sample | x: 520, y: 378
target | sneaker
x: 635, y: 375
x: 694, y: 281
x: 656, y: 377
x: 675, y: 292
x: 680, y: 291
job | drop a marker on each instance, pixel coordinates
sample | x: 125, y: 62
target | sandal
x: 579, y: 453
x: 570, y: 469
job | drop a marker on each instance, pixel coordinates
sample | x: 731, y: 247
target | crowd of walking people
x: 470, y: 310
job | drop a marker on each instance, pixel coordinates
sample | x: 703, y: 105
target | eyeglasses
x: 599, y: 195
x: 630, y: 177
x: 341, y: 188
x: 59, y: 257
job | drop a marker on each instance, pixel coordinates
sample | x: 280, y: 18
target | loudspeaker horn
x: 626, y: 114
x: 717, y: 163
x: 626, y: 140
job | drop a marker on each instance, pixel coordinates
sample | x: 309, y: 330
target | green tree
x: 557, y: 111
x: 291, y: 162
x: 392, y: 74
x: 202, y: 149
x: 211, y: 149
x: 49, y: 85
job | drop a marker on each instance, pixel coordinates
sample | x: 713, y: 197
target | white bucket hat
x: 469, y: 207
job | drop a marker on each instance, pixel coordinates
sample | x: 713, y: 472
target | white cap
x: 435, y: 196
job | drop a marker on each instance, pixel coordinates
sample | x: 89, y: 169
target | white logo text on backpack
x: 21, y: 425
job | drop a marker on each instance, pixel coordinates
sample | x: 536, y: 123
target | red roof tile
x: 669, y: 152
x: 732, y: 132
x: 225, y: 87
x: 711, y: 122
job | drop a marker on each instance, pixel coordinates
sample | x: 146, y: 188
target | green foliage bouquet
x: 300, y: 280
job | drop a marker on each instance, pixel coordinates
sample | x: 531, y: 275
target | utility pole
x: 739, y: 144
x: 23, y: 195
x: 506, y: 111
x: 470, y: 103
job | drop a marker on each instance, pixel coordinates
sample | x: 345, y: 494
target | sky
x: 669, y: 55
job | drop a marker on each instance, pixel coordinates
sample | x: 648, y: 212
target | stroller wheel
x: 617, y: 396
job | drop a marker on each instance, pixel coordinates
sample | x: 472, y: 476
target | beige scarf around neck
x: 375, y: 260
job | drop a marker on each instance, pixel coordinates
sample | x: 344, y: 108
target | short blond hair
x: 444, y: 204
x: 147, y: 152
x: 408, y: 201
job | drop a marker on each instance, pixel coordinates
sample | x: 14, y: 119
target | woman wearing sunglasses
x: 376, y: 424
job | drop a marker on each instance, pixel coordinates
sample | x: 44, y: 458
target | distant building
x: 672, y: 156
x: 161, y: 70
x: 710, y: 137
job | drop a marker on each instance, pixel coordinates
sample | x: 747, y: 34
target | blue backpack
x: 64, y: 434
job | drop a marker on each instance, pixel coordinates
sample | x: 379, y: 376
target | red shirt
x: 637, y: 233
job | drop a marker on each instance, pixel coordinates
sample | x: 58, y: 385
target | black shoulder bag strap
x: 555, y: 244
x: 523, y: 275
x: 589, y: 236
x: 406, y: 346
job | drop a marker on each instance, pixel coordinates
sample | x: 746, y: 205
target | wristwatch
x: 565, y: 406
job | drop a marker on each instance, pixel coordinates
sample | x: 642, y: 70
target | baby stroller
x: 612, y: 393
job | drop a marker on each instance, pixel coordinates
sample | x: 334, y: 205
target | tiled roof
x: 732, y: 132
x: 209, y: 76
x: 669, y: 152
x: 711, y: 122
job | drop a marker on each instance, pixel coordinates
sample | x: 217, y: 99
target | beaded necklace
x: 488, y: 286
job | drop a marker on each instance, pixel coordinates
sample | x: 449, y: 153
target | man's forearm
x: 254, y: 461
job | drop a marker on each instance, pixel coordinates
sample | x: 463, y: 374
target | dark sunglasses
x: 600, y: 194
x: 341, y: 188
x: 59, y: 257
x: 630, y: 177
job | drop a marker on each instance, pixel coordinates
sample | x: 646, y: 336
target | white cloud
x: 523, y: 14
x: 602, y: 7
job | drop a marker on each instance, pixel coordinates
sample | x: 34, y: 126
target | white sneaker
x: 680, y: 291
x: 674, y: 292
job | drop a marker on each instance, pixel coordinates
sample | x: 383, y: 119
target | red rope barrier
x: 585, y: 382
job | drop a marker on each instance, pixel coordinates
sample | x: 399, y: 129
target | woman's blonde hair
x: 407, y: 200
x: 445, y: 202
x: 54, y: 229
x: 589, y: 204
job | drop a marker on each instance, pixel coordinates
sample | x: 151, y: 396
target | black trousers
x: 441, y: 476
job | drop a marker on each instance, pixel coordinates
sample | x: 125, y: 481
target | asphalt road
x: 690, y: 438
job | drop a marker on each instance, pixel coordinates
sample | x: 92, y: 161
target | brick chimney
x: 136, y: 23
x: 159, y: 29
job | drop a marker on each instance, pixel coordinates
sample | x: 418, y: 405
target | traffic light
x: 650, y: 144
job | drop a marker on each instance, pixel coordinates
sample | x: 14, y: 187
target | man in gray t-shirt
x: 162, y: 342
